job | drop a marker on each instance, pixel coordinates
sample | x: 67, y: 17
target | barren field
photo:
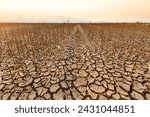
x: 74, y: 61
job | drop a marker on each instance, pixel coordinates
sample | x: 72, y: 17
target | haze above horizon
x: 74, y: 10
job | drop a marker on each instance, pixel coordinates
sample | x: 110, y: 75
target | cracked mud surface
x: 85, y: 62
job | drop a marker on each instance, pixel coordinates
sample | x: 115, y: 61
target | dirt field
x: 74, y: 61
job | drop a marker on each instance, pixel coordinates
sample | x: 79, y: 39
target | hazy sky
x: 94, y: 10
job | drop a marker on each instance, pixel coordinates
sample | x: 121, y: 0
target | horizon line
x: 75, y: 22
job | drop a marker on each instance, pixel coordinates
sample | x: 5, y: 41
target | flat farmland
x: 75, y: 61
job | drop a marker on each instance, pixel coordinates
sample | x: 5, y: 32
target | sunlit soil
x: 74, y: 61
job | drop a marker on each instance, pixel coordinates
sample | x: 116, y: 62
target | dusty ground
x: 91, y: 61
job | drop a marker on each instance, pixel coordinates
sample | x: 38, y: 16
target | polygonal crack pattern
x: 77, y: 72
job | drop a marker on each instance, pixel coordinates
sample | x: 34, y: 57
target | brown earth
x: 74, y: 61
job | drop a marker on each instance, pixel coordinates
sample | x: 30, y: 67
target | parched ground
x: 75, y: 62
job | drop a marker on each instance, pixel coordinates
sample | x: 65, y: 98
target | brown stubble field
x: 75, y: 61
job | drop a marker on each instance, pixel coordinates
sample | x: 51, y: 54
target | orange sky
x: 92, y: 10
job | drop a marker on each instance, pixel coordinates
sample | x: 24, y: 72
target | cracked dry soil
x: 76, y: 62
